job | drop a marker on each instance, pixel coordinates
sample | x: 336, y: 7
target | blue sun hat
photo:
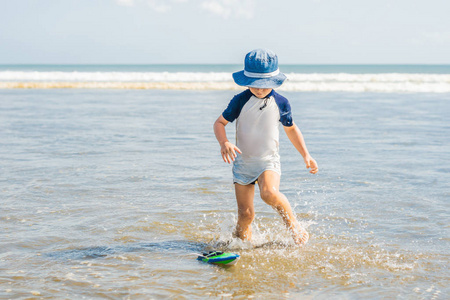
x: 260, y: 70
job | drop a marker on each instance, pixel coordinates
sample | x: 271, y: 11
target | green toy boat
x: 219, y: 258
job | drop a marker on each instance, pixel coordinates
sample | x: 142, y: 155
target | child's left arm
x: 296, y: 137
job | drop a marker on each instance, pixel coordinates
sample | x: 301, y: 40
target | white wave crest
x: 113, y: 76
x: 389, y: 82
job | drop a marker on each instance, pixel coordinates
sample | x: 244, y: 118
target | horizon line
x: 224, y: 64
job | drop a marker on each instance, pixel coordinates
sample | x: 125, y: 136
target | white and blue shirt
x: 257, y: 133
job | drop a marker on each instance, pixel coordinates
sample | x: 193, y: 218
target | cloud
x: 216, y: 8
x: 160, y: 6
x: 125, y: 2
x: 223, y: 8
x: 228, y: 8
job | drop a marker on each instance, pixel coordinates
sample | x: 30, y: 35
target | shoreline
x: 307, y: 86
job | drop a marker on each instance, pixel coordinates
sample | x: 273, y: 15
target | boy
x: 258, y: 112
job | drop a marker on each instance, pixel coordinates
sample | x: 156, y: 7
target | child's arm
x: 295, y: 136
x: 227, y: 149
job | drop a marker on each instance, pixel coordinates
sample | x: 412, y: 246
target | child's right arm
x: 227, y: 149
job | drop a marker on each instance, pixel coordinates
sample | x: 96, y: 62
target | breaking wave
x: 321, y: 82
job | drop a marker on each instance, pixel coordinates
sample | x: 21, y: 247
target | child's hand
x: 311, y: 163
x: 228, y: 151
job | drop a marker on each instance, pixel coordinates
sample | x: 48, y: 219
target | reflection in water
x: 168, y: 247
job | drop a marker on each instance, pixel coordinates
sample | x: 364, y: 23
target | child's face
x: 260, y: 93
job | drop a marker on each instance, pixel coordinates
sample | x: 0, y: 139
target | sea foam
x: 321, y: 82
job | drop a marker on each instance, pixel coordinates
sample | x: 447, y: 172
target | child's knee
x: 270, y: 196
x: 247, y: 214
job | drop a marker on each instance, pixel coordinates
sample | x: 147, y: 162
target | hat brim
x: 262, y: 83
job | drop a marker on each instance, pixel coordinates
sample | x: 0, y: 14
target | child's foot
x: 301, y: 236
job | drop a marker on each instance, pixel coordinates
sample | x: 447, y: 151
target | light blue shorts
x: 247, y: 171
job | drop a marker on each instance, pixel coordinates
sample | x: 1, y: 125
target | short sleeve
x: 285, y: 110
x: 234, y: 108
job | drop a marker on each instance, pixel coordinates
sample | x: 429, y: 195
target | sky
x: 223, y: 31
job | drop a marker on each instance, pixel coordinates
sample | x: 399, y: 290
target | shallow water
x: 107, y: 194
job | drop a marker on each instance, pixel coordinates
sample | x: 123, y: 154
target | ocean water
x: 109, y: 193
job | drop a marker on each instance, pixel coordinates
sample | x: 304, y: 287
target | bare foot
x: 300, y: 235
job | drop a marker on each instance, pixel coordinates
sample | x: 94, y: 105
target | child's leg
x: 269, y: 183
x: 246, y: 210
